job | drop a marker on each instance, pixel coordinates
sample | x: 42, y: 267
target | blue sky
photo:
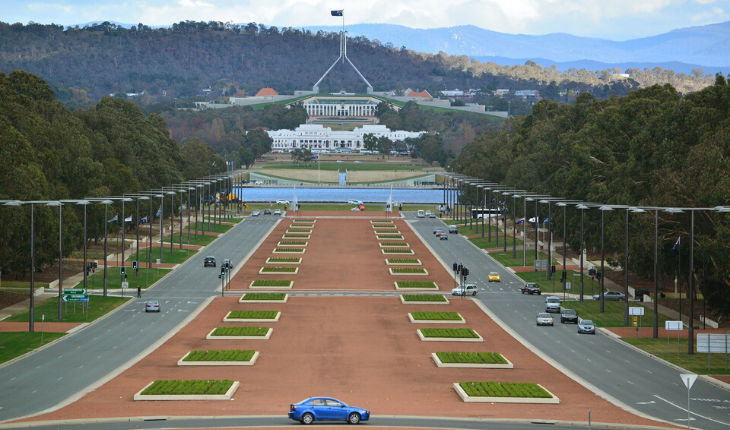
x: 607, y: 19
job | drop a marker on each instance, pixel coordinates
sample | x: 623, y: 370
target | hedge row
x: 504, y: 389
x: 424, y: 298
x: 403, y: 261
x: 390, y: 236
x: 393, y: 243
x: 279, y: 269
x: 397, y: 251
x: 471, y: 357
x: 302, y: 225
x: 449, y: 332
x: 381, y: 221
x: 269, y: 283
x: 188, y: 387
x: 296, y: 235
x: 267, y: 296
x: 292, y: 242
x: 305, y: 220
x: 253, y: 314
x: 416, y: 284
x: 240, y: 331
x: 288, y: 249
x: 438, y: 316
x: 300, y: 230
x: 408, y: 270
x: 387, y: 232
x: 221, y: 355
x: 284, y: 259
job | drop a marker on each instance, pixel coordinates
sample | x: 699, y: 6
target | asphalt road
x: 66, y: 368
x: 634, y: 379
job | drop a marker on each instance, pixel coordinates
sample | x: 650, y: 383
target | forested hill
x: 101, y: 59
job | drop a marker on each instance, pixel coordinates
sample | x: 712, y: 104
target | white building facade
x: 316, y: 136
x: 334, y: 106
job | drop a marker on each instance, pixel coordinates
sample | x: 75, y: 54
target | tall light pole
x: 582, y: 209
x: 84, y: 203
x: 603, y: 210
x: 60, y: 257
x: 106, y: 204
x: 124, y: 227
x: 626, y: 263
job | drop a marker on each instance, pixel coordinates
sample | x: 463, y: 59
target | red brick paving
x: 51, y: 327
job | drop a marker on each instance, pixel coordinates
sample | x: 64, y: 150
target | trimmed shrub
x: 390, y: 236
x: 279, y: 269
x: 471, y: 357
x: 436, y: 316
x: 387, y: 232
x: 288, y: 249
x: 266, y: 296
x: 416, y: 284
x: 403, y: 261
x: 292, y: 242
x: 253, y: 314
x: 456, y: 333
x: 300, y: 230
x: 240, y: 331
x: 188, y: 387
x: 293, y: 235
x: 221, y: 355
x: 424, y: 298
x: 269, y: 283
x: 397, y: 251
x: 504, y: 389
x: 408, y: 270
x: 394, y: 243
x: 284, y: 259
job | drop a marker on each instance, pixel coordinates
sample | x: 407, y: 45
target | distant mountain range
x: 706, y: 47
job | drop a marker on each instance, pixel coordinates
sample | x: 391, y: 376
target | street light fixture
x: 603, y: 210
x: 106, y: 204
x: 582, y: 209
x: 60, y: 257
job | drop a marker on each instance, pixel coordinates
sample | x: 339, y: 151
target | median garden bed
x: 384, y: 226
x: 403, y: 251
x: 309, y: 226
x: 273, y: 270
x: 402, y: 262
x: 218, y: 357
x: 389, y: 237
x: 394, y: 245
x: 252, y: 316
x: 289, y: 250
x: 423, y: 299
x: 192, y: 389
x: 284, y: 260
x: 295, y: 236
x: 477, y: 360
x: 393, y: 231
x: 235, y: 333
x: 504, y: 392
x: 298, y: 231
x: 436, y: 317
x: 292, y: 243
x: 448, y: 335
x: 413, y: 271
x: 416, y: 285
x: 264, y: 297
x: 381, y: 221
x: 285, y: 284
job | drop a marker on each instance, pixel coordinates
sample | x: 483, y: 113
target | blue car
x: 326, y: 409
x: 586, y: 326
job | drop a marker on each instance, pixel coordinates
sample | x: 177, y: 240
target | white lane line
x: 630, y: 382
x: 701, y: 416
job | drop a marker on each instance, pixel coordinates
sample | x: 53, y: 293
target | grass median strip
x: 395, y: 244
x: 452, y: 333
x: 403, y: 261
x: 397, y: 251
x: 296, y: 235
x: 289, y: 250
x: 270, y: 283
x: 409, y: 270
x: 390, y: 236
x: 381, y: 232
x: 221, y: 355
x: 505, y: 389
x: 424, y: 298
x: 240, y: 331
x: 15, y: 344
x: 294, y: 260
x: 260, y: 315
x: 299, y: 230
x: 178, y: 256
x: 265, y: 296
x: 417, y: 284
x: 293, y: 243
x: 73, y: 312
x: 188, y: 387
x: 279, y: 269
x: 436, y: 316
x: 471, y: 357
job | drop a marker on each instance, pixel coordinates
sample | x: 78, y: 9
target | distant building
x: 316, y: 136
x: 340, y: 106
x: 414, y: 94
x: 528, y: 94
x: 501, y: 93
x: 266, y: 92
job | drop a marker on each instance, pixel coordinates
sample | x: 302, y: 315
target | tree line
x: 650, y: 148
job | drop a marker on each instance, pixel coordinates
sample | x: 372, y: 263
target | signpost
x: 713, y: 343
x: 688, y: 379
x: 673, y: 325
x: 637, y: 311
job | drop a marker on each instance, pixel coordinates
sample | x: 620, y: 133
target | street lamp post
x: 603, y: 210
x: 60, y: 257
x: 582, y: 209
x: 106, y: 204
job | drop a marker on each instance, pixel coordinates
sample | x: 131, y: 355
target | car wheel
x: 539, y: 294
x: 523, y: 291
x: 474, y: 293
x: 354, y: 418
x: 307, y: 418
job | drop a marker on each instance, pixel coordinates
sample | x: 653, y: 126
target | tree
x: 301, y: 155
x: 370, y: 142
x: 385, y: 145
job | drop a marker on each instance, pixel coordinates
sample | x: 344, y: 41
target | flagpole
x: 679, y: 276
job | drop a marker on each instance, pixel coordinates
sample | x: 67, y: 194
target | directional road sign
x: 638, y: 310
x: 688, y: 379
x: 75, y: 298
x: 74, y: 291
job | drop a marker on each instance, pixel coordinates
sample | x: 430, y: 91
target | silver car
x: 255, y: 213
x: 610, y: 295
x: 586, y: 326
x: 544, y: 318
x: 152, y: 306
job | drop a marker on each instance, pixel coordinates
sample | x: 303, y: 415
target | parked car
x: 569, y: 315
x: 326, y: 409
x: 354, y: 202
x: 444, y: 236
x: 544, y: 318
x: 586, y: 326
x: 227, y: 263
x: 256, y: 213
x: 152, y: 306
x: 277, y: 212
x: 639, y: 293
x: 357, y: 162
x: 610, y: 295
x: 552, y: 304
x: 356, y: 209
x: 282, y: 202
x: 209, y: 261
x: 494, y: 277
x: 340, y: 161
x: 531, y: 288
x: 465, y: 290
x: 267, y: 211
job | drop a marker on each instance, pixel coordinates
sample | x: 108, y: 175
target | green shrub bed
x: 267, y: 296
x: 457, y: 333
x: 268, y: 283
x: 279, y: 269
x: 188, y: 387
x: 309, y: 226
x: 240, y: 331
x: 389, y: 236
x: 403, y: 261
x: 305, y: 220
x: 284, y: 259
x: 299, y: 230
x: 471, y: 357
x: 424, y: 298
x: 296, y: 235
x: 253, y: 314
x: 288, y: 249
x: 504, y: 389
x: 401, y: 244
x: 436, y: 316
x: 387, y: 232
x: 408, y: 270
x: 416, y: 284
x: 382, y: 221
x: 221, y: 355
x: 397, y: 251
x: 293, y: 242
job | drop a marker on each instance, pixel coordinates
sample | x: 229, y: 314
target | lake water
x: 366, y: 195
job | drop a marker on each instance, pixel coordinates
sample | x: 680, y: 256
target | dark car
x: 326, y: 409
x: 586, y: 326
x: 209, y: 261
x: 267, y: 211
x: 639, y: 293
x: 531, y: 288
x: 569, y: 315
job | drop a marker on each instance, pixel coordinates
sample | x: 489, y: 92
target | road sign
x: 567, y: 285
x: 125, y: 284
x: 75, y: 298
x: 74, y: 291
x: 688, y: 379
x: 637, y: 310
x: 714, y: 343
x: 635, y: 320
x: 541, y: 264
x: 158, y: 261
x: 673, y: 325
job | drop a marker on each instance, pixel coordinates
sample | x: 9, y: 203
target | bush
x: 471, y: 357
x: 279, y: 269
x: 288, y: 249
x: 253, y: 314
x: 424, y: 298
x: 269, y: 283
x: 293, y: 242
x: 240, y: 331
x: 188, y: 387
x: 393, y: 243
x: 403, y: 261
x: 390, y: 236
x: 436, y: 316
x: 299, y: 230
x: 284, y: 259
x: 294, y: 235
x: 266, y: 296
x: 416, y: 284
x: 504, y: 389
x: 380, y: 232
x: 397, y: 251
x: 408, y: 270
x: 456, y: 333
x: 221, y: 355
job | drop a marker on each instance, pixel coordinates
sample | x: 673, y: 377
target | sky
x: 606, y: 19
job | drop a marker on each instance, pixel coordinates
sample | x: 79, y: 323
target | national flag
x: 546, y: 220
x: 389, y: 203
x: 533, y: 219
x: 143, y: 220
x: 677, y: 243
x: 337, y: 12
x: 128, y: 219
x: 116, y: 218
x: 159, y: 211
x: 520, y: 221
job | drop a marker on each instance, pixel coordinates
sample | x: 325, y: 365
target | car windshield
x: 586, y: 322
x: 569, y: 312
x: 494, y: 274
x: 553, y: 300
x: 544, y: 316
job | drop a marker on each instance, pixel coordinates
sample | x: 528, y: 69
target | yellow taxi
x: 494, y: 277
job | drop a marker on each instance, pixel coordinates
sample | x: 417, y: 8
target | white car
x: 340, y: 161
x: 357, y: 162
x: 355, y: 202
x: 356, y: 208
x: 428, y: 214
x: 282, y: 202
x: 544, y: 318
x: 465, y: 290
x: 277, y: 212
x: 255, y: 213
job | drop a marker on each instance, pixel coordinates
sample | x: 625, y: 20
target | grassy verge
x: 436, y: 316
x: 457, y: 333
x: 221, y: 355
x: 98, y: 307
x: 179, y: 255
x: 424, y: 298
x: 416, y: 284
x: 23, y: 285
x: 290, y: 250
x: 477, y: 229
x: 15, y: 344
x: 504, y: 389
x: 506, y: 259
x: 408, y: 270
x: 390, y: 236
x: 278, y: 269
x: 146, y: 278
x: 676, y: 353
x: 266, y: 296
x: 222, y: 228
x: 471, y: 357
x: 240, y: 331
x: 394, y: 244
x: 270, y: 283
x: 485, y: 243
x: 397, y: 251
x: 253, y: 314
x: 201, y: 240
x: 284, y: 260
x: 613, y: 315
x: 553, y: 286
x: 188, y: 387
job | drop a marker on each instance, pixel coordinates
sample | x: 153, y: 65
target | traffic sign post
x: 637, y: 310
x: 673, y: 325
x: 688, y: 379
x: 713, y: 343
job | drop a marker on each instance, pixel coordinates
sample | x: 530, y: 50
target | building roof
x: 266, y: 92
x: 423, y: 94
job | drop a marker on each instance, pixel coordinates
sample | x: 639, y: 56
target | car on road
x: 209, y: 261
x: 569, y: 315
x: 531, y: 288
x: 552, y: 304
x: 277, y: 212
x: 152, y: 306
x: 444, y: 236
x: 494, y: 277
x: 357, y: 162
x: 421, y: 214
x: 465, y: 290
x: 340, y: 161
x: 267, y: 211
x: 453, y: 229
x: 282, y: 202
x: 544, y: 318
x: 433, y: 215
x: 227, y: 263
x: 436, y: 230
x: 586, y: 326
x: 256, y: 213
x: 428, y: 214
x: 326, y: 409
x: 610, y: 295
x: 354, y: 202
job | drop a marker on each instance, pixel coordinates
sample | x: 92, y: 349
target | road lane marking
x: 693, y: 413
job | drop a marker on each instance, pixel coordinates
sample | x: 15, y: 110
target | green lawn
x: 553, y: 285
x: 201, y: 240
x: 677, y: 354
x: 178, y: 256
x: 506, y: 259
x: 216, y: 228
x: 613, y: 315
x: 477, y: 229
x: 334, y: 166
x: 23, y: 285
x: 15, y: 344
x: 484, y: 242
x: 98, y: 307
x: 231, y: 220
x: 146, y: 278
